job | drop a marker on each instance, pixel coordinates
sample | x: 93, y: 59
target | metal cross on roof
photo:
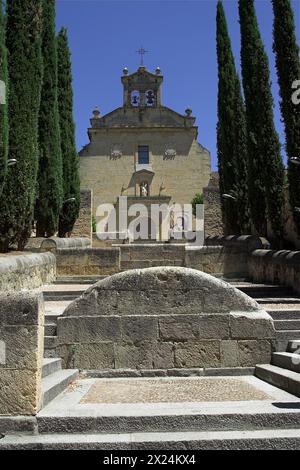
x: 142, y: 52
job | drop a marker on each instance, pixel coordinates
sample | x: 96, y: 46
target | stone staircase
x: 279, y: 301
x: 282, y: 303
x: 223, y: 425
x: 55, y: 379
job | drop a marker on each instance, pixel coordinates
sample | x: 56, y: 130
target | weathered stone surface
x: 252, y: 352
x: 163, y: 356
x: 278, y: 267
x: 83, y: 225
x: 139, y: 328
x: 20, y: 392
x: 178, y: 327
x: 89, y: 261
x: 55, y: 243
x: 251, y: 325
x: 89, y: 329
x: 197, y: 354
x: 164, y: 318
x: 26, y: 271
x: 88, y: 355
x: 229, y: 353
x: 134, y: 356
x: 22, y: 346
x: 214, y: 326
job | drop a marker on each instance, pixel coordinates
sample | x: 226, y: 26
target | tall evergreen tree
x: 288, y: 70
x: 50, y: 184
x: 265, y: 167
x: 70, y: 158
x: 231, y: 134
x: 3, y: 107
x: 23, y: 41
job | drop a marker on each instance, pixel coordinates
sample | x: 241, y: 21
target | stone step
x: 294, y: 346
x: 287, y: 325
x: 50, y: 353
x: 50, y: 365
x: 283, y: 378
x: 51, y: 318
x: 270, y: 439
x: 287, y: 335
x: 78, y: 280
x: 55, y: 296
x: 290, y: 314
x: 123, y: 418
x: 50, y: 342
x: 279, y: 301
x: 54, y: 384
x: 262, y: 291
x: 50, y: 329
x: 286, y: 360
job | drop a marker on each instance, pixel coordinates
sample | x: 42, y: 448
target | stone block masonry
x: 21, y: 352
x: 277, y: 267
x: 26, y: 271
x: 164, y: 318
x: 83, y: 225
x: 87, y: 261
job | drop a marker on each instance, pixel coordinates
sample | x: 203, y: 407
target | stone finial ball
x: 96, y: 113
x: 157, y: 71
x: 188, y: 111
x: 125, y: 71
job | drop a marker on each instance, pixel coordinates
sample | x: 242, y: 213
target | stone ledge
x: 26, y: 271
x: 55, y: 244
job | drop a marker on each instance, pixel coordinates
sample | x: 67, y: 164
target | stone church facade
x: 143, y: 149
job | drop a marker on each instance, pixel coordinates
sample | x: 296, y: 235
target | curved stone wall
x: 55, y: 244
x: 27, y: 271
x: 164, y: 318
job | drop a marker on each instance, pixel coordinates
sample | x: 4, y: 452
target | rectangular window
x: 143, y: 152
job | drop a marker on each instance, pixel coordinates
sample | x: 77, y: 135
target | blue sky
x: 180, y: 37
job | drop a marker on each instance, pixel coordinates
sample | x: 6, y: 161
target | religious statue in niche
x: 150, y: 98
x: 170, y: 151
x: 116, y: 152
x: 144, y: 189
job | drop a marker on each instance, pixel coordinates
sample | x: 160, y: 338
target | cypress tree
x: 266, y: 172
x: 23, y: 41
x: 231, y: 134
x: 70, y: 158
x: 3, y: 107
x: 288, y: 70
x: 50, y: 184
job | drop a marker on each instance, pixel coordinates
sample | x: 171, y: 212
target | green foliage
x: 198, y: 199
x: 288, y: 70
x: 231, y: 134
x: 70, y: 158
x: 3, y: 107
x: 265, y: 167
x: 50, y: 183
x: 23, y: 41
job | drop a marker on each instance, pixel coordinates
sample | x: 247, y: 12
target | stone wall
x: 83, y: 225
x: 164, y: 318
x: 54, y: 244
x: 277, y: 267
x: 213, y: 224
x: 181, y: 176
x: 21, y: 352
x: 138, y: 256
x: 87, y: 261
x: 26, y: 271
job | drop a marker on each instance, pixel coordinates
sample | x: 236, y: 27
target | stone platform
x: 164, y: 318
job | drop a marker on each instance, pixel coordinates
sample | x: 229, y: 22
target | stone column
x: 21, y: 352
